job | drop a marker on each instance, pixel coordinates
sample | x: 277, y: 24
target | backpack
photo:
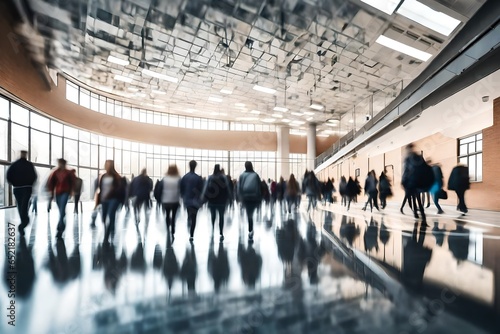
x: 251, y: 187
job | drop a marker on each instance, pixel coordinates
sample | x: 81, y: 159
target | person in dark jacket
x: 140, y: 189
x: 157, y: 194
x: 217, y: 193
x: 343, y: 191
x: 384, y: 188
x: 371, y: 190
x: 22, y: 175
x: 61, y: 182
x: 459, y: 181
x: 77, y: 190
x: 312, y: 188
x: 352, y: 191
x: 191, y: 188
x: 249, y: 192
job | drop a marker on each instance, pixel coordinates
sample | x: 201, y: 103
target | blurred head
x: 172, y: 170
x: 192, y: 165
x: 292, y: 178
x: 61, y: 163
x: 144, y: 172
x: 409, y: 148
x: 109, y: 166
x: 248, y: 166
x: 217, y: 169
x: 24, y: 154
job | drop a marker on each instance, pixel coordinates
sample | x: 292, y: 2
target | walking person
x: 157, y: 194
x: 61, y: 182
x: 459, y: 181
x: 343, y: 191
x: 437, y: 186
x: 22, y: 176
x: 292, y: 192
x: 111, y: 193
x: 217, y: 193
x: 352, y: 191
x: 280, y: 192
x: 384, y: 188
x: 249, y: 191
x: 140, y: 189
x: 170, y: 197
x: 371, y: 190
x: 191, y: 188
x: 311, y: 187
x: 77, y: 191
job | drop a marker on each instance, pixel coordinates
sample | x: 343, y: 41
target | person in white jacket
x: 170, y: 196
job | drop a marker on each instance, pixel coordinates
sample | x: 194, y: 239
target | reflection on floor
x: 330, y: 272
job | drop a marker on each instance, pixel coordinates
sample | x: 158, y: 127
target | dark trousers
x: 77, y: 201
x: 170, y: 210
x: 250, y: 207
x: 138, y: 204
x: 109, y: 208
x: 214, y: 208
x: 23, y: 196
x: 192, y: 214
x: 62, y: 201
x: 461, y: 201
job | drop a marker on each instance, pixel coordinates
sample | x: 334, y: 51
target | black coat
x: 21, y: 173
x: 459, y: 179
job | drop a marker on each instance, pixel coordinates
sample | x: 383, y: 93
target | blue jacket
x: 191, y: 190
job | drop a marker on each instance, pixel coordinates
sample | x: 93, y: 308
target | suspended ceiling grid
x: 307, y: 50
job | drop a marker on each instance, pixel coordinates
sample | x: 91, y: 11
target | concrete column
x: 311, y: 146
x: 283, y: 154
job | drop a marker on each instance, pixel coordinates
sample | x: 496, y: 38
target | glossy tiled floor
x: 332, y: 271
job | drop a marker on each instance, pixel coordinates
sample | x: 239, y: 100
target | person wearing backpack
x: 217, y: 193
x: 249, y: 192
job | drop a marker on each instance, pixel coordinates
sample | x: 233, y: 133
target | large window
x: 470, y: 153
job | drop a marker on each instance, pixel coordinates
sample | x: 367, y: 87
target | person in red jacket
x: 61, y: 183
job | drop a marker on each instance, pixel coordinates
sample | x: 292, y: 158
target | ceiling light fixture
x: 123, y: 78
x: 264, y: 89
x: 153, y: 74
x: 118, y: 61
x: 239, y: 105
x: 403, y: 48
x: 324, y: 135
x: 294, y: 113
x: 309, y: 113
x: 255, y: 112
x: 351, y: 121
x: 214, y: 99
x: 286, y: 120
x: 277, y: 115
x: 316, y: 106
x: 249, y: 119
x: 297, y: 122
x: 428, y: 17
x: 159, y: 92
x: 386, y: 6
x: 282, y: 109
x: 226, y: 91
x: 268, y: 120
x: 332, y: 124
x: 309, y: 119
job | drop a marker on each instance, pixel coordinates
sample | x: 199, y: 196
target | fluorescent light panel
x: 268, y: 120
x: 214, y: 99
x: 255, y: 112
x: 239, y: 105
x: 264, y: 89
x: 294, y: 113
x: 122, y: 78
x: 226, y: 91
x: 154, y: 74
x: 403, y: 48
x: 428, y: 17
x: 156, y: 91
x: 316, y: 106
x: 386, y: 6
x: 277, y: 115
x: 118, y: 61
x: 282, y: 109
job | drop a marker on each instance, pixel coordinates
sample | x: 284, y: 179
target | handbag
x: 442, y: 194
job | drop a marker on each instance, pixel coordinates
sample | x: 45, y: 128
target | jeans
x: 109, y: 208
x: 312, y: 202
x: 62, y: 201
x: 250, y: 207
x: 192, y: 213
x: 214, y: 208
x: 170, y: 210
x: 23, y: 196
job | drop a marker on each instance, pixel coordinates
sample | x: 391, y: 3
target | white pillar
x: 283, y: 154
x: 311, y: 146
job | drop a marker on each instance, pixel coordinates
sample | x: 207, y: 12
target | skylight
x: 426, y: 16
